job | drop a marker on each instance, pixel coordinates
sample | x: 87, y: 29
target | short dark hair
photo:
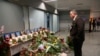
x: 74, y: 11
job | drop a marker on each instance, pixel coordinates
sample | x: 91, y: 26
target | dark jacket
x: 77, y: 30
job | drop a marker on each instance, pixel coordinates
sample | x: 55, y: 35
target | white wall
x: 65, y: 19
x: 26, y: 17
x: 51, y: 22
x: 17, y: 18
x: 95, y: 9
x: 55, y: 23
x: 11, y: 16
x: 95, y: 14
x: 37, y: 18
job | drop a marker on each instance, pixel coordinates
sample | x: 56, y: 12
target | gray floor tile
x: 91, y: 46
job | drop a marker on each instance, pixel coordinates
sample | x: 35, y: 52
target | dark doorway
x: 48, y: 21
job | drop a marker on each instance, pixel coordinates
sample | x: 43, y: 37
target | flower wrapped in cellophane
x: 45, y: 43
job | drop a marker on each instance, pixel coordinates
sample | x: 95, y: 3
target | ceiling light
x: 79, y: 4
x: 49, y: 0
x: 64, y: 8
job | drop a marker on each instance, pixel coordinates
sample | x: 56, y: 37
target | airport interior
x: 43, y: 27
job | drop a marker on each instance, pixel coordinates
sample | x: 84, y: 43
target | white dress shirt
x: 74, y: 18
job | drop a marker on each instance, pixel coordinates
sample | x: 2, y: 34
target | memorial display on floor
x: 39, y: 43
x: 45, y: 43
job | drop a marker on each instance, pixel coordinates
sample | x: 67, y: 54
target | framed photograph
x: 18, y: 34
x: 27, y: 31
x: 13, y: 35
x: 6, y: 36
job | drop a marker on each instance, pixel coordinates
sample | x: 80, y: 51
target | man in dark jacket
x: 77, y: 32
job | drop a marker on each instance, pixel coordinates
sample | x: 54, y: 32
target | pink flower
x: 41, y: 47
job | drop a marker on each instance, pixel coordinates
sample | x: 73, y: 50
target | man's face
x: 72, y: 15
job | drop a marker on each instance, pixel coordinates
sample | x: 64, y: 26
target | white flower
x: 41, y: 46
x: 63, y: 54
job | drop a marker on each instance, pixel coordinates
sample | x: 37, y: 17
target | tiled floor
x: 91, y: 46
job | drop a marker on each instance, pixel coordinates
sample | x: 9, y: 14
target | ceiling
x: 74, y: 4
x: 26, y: 2
x: 64, y: 4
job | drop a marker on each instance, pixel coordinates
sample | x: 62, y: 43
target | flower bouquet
x: 29, y: 37
x: 14, y: 41
x: 45, y: 43
x: 69, y: 42
x: 19, y: 40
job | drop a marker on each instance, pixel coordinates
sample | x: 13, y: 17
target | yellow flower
x: 46, y: 46
x: 55, y: 40
x: 58, y: 38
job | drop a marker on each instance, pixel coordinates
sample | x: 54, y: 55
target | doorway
x: 49, y: 21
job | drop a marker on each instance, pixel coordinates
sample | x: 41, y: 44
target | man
x: 90, y: 23
x: 94, y: 24
x: 77, y: 32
